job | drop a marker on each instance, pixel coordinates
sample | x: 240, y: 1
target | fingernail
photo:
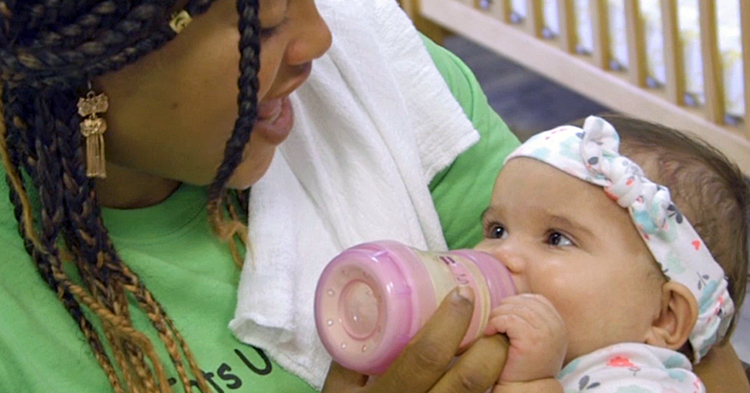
x: 463, y: 293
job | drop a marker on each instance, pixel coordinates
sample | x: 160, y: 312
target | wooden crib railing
x: 488, y: 22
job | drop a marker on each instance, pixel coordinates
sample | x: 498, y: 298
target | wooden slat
x: 498, y: 9
x: 713, y: 82
x: 535, y: 17
x: 637, y: 67
x: 430, y: 29
x: 745, y: 23
x: 674, y: 60
x: 566, y: 16
x: 578, y: 73
x: 600, y: 26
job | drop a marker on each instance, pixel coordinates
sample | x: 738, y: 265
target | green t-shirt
x: 192, y: 274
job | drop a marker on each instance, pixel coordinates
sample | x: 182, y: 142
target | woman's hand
x: 425, y: 364
x: 721, y: 371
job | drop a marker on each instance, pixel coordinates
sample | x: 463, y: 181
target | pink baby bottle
x: 372, y: 298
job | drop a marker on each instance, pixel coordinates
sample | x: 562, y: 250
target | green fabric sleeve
x: 462, y: 191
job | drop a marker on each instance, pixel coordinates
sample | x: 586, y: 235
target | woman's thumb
x: 343, y: 380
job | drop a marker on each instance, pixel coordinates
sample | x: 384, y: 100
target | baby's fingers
x: 510, y: 324
x: 536, y: 310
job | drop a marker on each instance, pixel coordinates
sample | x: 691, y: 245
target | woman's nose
x: 312, y: 40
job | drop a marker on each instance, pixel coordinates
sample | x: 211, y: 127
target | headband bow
x: 592, y: 154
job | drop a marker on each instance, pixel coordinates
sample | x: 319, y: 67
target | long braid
x: 13, y: 131
x: 46, y: 266
x: 86, y: 224
x: 247, y: 101
x: 43, y: 132
x: 73, y: 42
x: 87, y: 237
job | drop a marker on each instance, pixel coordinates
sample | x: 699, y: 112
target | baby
x: 618, y: 292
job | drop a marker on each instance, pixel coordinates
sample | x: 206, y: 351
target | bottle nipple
x: 359, y: 308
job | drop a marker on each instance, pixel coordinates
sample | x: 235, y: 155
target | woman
x: 124, y: 255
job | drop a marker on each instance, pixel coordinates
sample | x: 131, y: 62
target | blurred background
x: 528, y: 102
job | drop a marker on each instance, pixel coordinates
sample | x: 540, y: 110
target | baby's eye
x: 496, y: 231
x: 557, y: 239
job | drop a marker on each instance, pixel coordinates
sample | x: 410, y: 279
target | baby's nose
x: 507, y: 254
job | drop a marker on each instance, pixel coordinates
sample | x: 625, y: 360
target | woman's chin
x: 249, y: 172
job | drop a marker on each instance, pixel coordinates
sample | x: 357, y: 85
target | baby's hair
x: 50, y: 50
x: 705, y: 185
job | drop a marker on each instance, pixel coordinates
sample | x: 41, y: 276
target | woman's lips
x: 275, y: 116
x: 275, y: 120
x: 269, y: 111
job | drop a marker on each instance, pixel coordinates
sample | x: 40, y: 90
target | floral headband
x: 592, y: 154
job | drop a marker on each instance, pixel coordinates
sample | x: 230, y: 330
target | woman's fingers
x: 477, y: 369
x: 342, y: 380
x: 424, y: 361
x: 423, y: 366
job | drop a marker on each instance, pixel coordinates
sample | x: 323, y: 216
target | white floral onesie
x: 631, y: 368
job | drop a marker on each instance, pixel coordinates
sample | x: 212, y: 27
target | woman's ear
x: 677, y: 317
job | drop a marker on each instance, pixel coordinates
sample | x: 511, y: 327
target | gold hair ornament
x: 180, y: 20
x: 93, y: 127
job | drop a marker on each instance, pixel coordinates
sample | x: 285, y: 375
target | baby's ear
x: 677, y: 317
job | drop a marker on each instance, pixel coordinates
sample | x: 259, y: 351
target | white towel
x: 377, y: 123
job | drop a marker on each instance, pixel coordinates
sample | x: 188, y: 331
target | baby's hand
x: 538, y: 337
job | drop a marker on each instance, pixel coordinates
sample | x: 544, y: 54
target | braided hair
x: 50, y: 50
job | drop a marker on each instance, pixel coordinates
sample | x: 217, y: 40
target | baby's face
x: 565, y: 239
